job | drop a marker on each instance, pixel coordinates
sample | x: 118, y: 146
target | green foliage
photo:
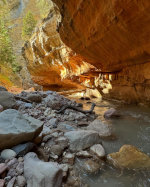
x: 44, y: 7
x: 29, y: 24
x: 6, y: 51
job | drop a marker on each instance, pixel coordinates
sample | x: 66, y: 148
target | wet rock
x: 16, y: 128
x: 68, y: 158
x: 3, y: 168
x: 2, y: 182
x: 1, y: 108
x: 129, y: 157
x: 3, y: 88
x: 23, y: 149
x: 103, y: 129
x: 82, y: 139
x: 8, y: 154
x: 54, y: 122
x: 7, y: 100
x: 91, y: 166
x: 21, y: 181
x: 11, y: 182
x: 111, y: 113
x: 83, y: 154
x: 98, y: 150
x: 41, y: 174
x: 34, y: 98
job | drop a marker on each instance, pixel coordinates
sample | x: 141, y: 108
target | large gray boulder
x: 16, y: 128
x: 41, y: 174
x: 7, y: 100
x: 3, y: 89
x: 103, y: 129
x: 82, y: 139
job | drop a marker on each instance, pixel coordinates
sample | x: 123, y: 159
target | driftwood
x: 22, y: 99
x: 77, y: 109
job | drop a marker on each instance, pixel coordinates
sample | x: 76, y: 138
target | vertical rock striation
x: 51, y: 63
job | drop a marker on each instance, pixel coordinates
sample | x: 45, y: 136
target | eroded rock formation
x: 114, y: 37
x: 51, y: 63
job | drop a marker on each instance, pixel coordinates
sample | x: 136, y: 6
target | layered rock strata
x: 114, y: 37
x: 51, y: 63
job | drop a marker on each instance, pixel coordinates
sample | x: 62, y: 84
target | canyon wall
x: 114, y: 36
x: 111, y: 35
x: 51, y: 63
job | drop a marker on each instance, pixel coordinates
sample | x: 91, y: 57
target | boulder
x: 7, y: 100
x: 129, y: 157
x: 103, y: 129
x: 41, y: 174
x: 23, y: 149
x: 3, y: 89
x: 16, y: 128
x: 98, y: 150
x: 7, y: 154
x: 111, y: 113
x: 82, y: 139
x: 34, y: 98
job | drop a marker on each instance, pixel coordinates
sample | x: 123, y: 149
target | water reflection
x: 132, y: 128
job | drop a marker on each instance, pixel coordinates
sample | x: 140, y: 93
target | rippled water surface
x: 132, y: 128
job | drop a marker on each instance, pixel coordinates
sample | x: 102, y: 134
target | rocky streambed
x: 47, y: 140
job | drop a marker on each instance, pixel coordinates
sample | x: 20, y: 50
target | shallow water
x: 132, y: 128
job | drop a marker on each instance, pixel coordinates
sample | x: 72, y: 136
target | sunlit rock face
x: 114, y: 36
x: 51, y: 63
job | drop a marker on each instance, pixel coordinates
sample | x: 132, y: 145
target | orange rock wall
x: 114, y: 36
x: 51, y: 63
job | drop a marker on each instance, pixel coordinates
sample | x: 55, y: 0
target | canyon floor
x: 50, y: 140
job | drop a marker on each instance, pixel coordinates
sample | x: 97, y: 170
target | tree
x: 6, y: 51
x: 29, y: 24
x: 7, y: 56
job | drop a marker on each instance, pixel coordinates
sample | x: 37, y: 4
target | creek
x: 133, y: 127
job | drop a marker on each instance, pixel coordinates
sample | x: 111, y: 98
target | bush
x: 29, y: 24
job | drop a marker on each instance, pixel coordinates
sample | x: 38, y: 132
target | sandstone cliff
x: 111, y: 35
x: 51, y: 63
x: 114, y: 36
